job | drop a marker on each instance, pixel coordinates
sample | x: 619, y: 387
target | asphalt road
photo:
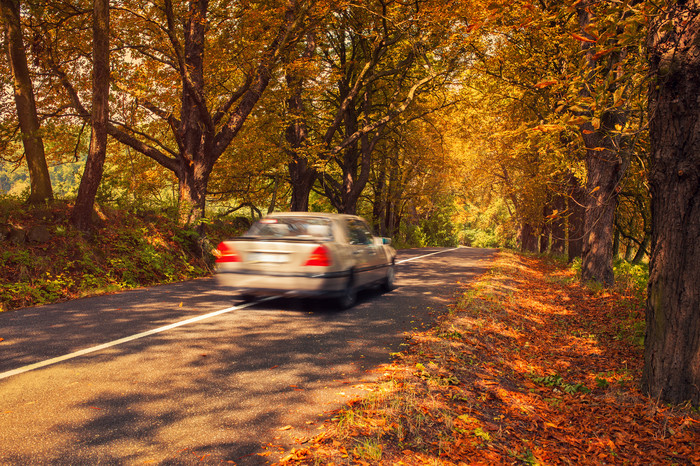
x: 141, y: 376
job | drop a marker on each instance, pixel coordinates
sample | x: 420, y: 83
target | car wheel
x: 349, y: 296
x: 388, y: 283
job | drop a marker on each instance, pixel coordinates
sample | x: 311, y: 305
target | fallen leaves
x: 530, y: 368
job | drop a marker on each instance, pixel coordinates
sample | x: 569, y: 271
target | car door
x: 375, y: 255
x: 364, y: 252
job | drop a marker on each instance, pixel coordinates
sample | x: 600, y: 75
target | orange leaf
x: 601, y: 54
x: 543, y: 84
x: 582, y: 38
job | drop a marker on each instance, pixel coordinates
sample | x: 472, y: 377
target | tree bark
x: 559, y: 226
x: 546, y: 233
x: 603, y: 166
x: 576, y: 218
x: 39, y: 179
x: 528, y: 239
x: 94, y: 165
x: 672, y: 346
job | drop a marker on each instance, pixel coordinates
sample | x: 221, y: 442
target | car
x: 307, y: 254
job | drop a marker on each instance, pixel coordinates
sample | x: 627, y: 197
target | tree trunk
x: 576, y: 218
x: 302, y: 178
x: 94, y: 166
x: 528, y: 239
x: 637, y: 259
x: 672, y: 346
x: 546, y: 232
x: 40, y: 181
x: 559, y: 226
x: 302, y: 175
x: 603, y: 161
x: 629, y: 252
x: 603, y: 165
x: 379, y: 204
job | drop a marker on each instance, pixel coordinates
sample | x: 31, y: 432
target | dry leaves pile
x: 529, y: 368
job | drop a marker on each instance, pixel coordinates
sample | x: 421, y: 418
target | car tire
x: 349, y: 296
x: 388, y: 283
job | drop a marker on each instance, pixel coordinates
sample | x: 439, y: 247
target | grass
x: 529, y: 367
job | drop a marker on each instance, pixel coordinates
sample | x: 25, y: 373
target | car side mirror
x: 386, y: 241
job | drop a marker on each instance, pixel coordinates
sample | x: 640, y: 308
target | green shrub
x: 480, y: 239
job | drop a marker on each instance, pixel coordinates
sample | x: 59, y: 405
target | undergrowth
x: 127, y: 250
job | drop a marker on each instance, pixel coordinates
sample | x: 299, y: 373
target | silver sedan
x: 307, y: 254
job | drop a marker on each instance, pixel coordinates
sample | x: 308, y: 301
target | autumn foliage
x: 529, y: 368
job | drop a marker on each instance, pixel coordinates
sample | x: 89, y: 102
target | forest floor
x: 529, y: 367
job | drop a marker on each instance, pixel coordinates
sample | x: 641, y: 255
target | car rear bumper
x: 270, y: 284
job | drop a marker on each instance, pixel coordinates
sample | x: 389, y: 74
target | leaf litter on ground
x: 529, y: 367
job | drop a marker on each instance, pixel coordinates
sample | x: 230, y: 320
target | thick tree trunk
x: 528, y: 239
x: 193, y: 182
x: 302, y: 178
x: 94, y: 166
x: 604, y: 165
x: 672, y: 345
x: 39, y: 179
x: 603, y: 161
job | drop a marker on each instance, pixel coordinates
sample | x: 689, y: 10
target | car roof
x: 329, y: 215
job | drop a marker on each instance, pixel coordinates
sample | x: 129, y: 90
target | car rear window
x: 292, y: 227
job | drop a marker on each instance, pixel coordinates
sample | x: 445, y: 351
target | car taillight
x: 226, y: 254
x: 319, y: 257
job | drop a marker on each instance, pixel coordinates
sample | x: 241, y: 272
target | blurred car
x: 308, y: 255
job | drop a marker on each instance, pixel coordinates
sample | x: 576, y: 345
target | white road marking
x: 425, y: 255
x: 82, y: 352
x: 120, y: 341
